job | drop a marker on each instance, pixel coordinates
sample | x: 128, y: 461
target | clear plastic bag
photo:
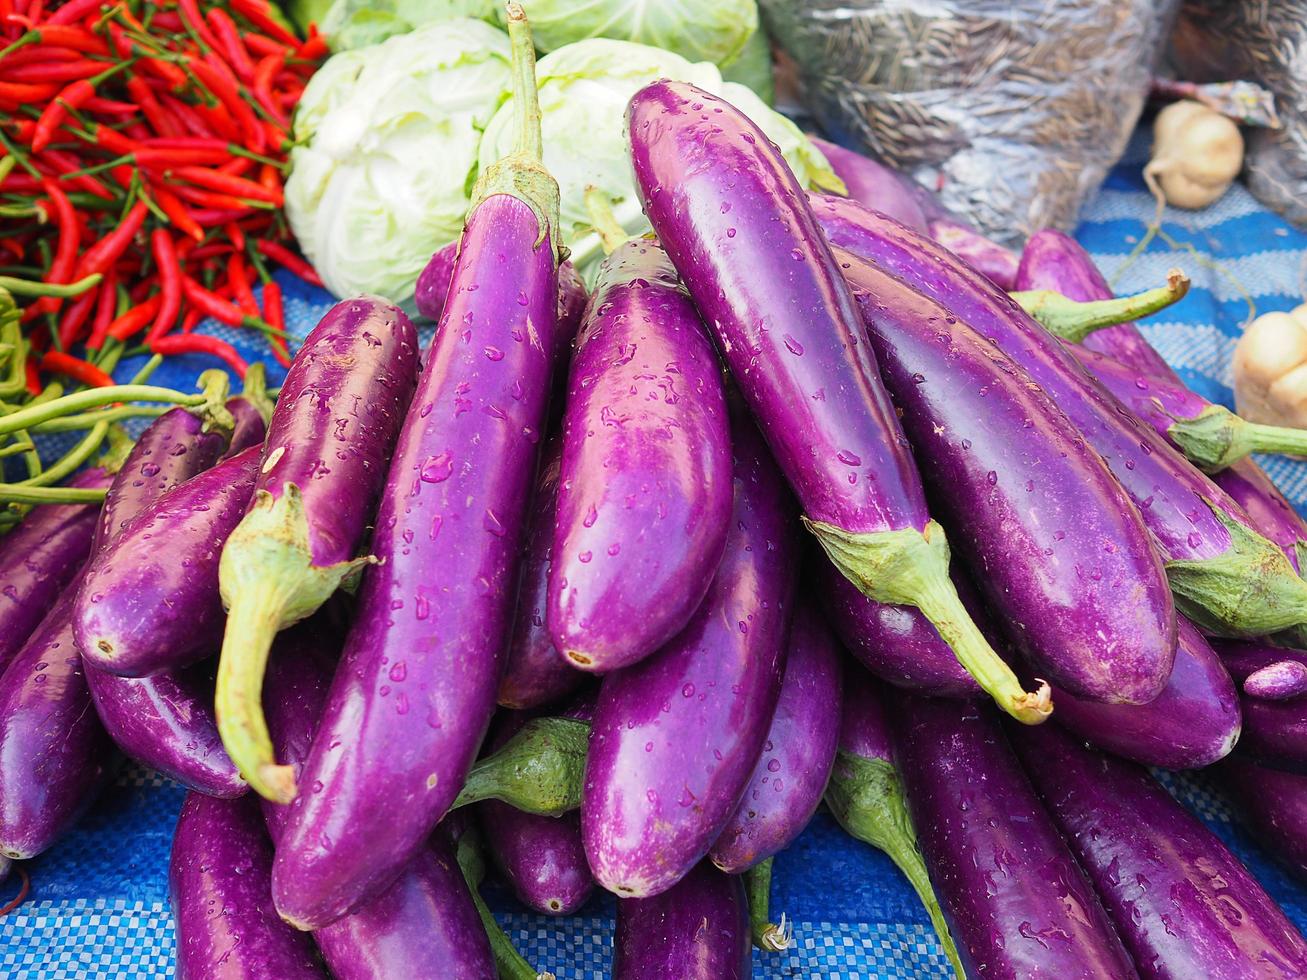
x: 1012, y: 111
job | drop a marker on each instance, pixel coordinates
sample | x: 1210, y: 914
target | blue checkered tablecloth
x: 98, y: 906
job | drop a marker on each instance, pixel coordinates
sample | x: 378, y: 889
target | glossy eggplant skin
x: 1274, y: 804
x: 250, y: 428
x: 39, y: 558
x: 1194, y: 722
x: 218, y: 884
x: 56, y: 754
x: 675, y: 738
x: 1055, y: 261
x: 1183, y: 904
x: 417, y: 683
x: 697, y: 930
x: 149, y: 600
x: 1048, y: 532
x: 877, y: 186
x: 1017, y: 904
x: 1274, y: 732
x: 790, y: 776
x: 535, y: 672
x: 644, y: 493
x: 424, y: 926
x: 990, y: 259
x: 1272, y: 515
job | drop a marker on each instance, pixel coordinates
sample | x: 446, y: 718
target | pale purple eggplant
x: 416, y: 687
x: 1195, y: 721
x: 1183, y: 904
x: 40, y: 557
x: 875, y: 185
x: 1016, y: 903
x: 675, y: 737
x: 1274, y: 804
x: 1049, y: 534
x: 219, y: 888
x: 993, y: 261
x: 696, y: 930
x: 324, y: 461
x: 535, y: 672
x: 54, y: 754
x: 149, y: 600
x: 644, y: 493
x: 790, y: 776
x: 1274, y: 731
x: 736, y: 223
x: 1278, y: 681
x: 1225, y: 576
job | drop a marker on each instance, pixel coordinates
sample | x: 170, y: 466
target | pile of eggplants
x: 791, y: 507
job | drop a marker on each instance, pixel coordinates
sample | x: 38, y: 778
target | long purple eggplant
x: 1274, y: 731
x: 1226, y: 577
x: 644, y: 494
x: 696, y: 930
x: 1016, y: 902
x: 54, y: 753
x: 1183, y: 904
x: 219, y: 886
x: 416, y: 688
x: 250, y: 411
x: 675, y: 737
x: 535, y: 672
x: 1274, y: 804
x: 736, y: 223
x: 39, y: 558
x: 424, y: 926
x: 866, y: 795
x: 791, y: 774
x: 1050, y: 535
x: 324, y: 461
x: 149, y: 599
x: 1272, y: 515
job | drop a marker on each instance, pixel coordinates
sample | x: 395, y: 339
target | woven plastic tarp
x: 98, y: 906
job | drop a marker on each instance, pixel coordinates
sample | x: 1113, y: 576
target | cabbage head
x: 388, y: 139
x: 356, y: 23
x: 584, y: 89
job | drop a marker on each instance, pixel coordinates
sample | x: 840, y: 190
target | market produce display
x: 737, y: 478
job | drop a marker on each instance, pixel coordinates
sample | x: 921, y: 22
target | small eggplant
x: 1274, y: 731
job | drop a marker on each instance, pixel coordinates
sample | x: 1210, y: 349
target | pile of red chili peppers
x: 150, y: 136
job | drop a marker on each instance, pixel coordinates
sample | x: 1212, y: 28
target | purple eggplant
x: 416, y: 687
x: 1278, y: 681
x: 1274, y: 804
x: 250, y: 410
x: 993, y: 261
x: 219, y: 886
x: 697, y: 930
x: 726, y: 207
x: 877, y: 186
x: 644, y: 494
x: 1016, y: 902
x: 1274, y: 731
x: 324, y: 461
x: 535, y: 672
x: 791, y: 774
x: 675, y: 737
x: 54, y: 753
x: 1183, y: 904
x: 1195, y: 721
x: 39, y: 558
x: 149, y: 599
x: 1050, y: 535
x: 1272, y: 515
x: 1225, y: 577
x: 866, y: 795
x: 424, y: 926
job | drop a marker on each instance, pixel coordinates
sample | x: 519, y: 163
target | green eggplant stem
x: 510, y: 964
x: 539, y: 770
x: 1074, y: 321
x: 1218, y: 438
x: 768, y: 936
x: 603, y: 221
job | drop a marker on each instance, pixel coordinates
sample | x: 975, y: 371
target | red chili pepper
x: 224, y: 88
x: 239, y: 281
x: 21, y: 93
x: 274, y: 314
x: 191, y: 320
x: 227, y: 184
x: 73, y: 97
x: 104, y: 309
x: 72, y: 12
x: 160, y: 121
x: 185, y: 117
x: 262, y: 87
x: 38, y: 54
x: 70, y: 36
x: 193, y: 19
x: 235, y: 235
x: 34, y: 386
x: 53, y: 71
x: 236, y: 167
x: 170, y: 273
x: 208, y: 199
x: 163, y: 157
x: 201, y: 344
x: 211, y: 304
x: 110, y: 107
x: 63, y: 164
x: 75, y: 368
x: 224, y: 28
x: 106, y: 251
x: 217, y: 121
x: 314, y: 47
x: 182, y: 219
x: 74, y: 319
x: 285, y: 257
x: 65, y: 252
x: 256, y: 12
x: 212, y: 217
x: 135, y: 320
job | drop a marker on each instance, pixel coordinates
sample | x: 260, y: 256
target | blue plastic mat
x: 99, y: 901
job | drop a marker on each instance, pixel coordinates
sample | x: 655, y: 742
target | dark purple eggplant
x: 1183, y: 904
x: 250, y: 410
x: 1274, y: 732
x: 149, y: 600
x: 1015, y: 901
x: 1274, y: 804
x: 219, y: 887
x: 416, y: 687
x: 644, y: 492
x: 697, y: 930
x: 675, y: 737
x: 791, y: 774
x: 737, y: 225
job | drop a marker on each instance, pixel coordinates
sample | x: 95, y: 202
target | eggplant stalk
x: 539, y: 770
x: 768, y: 936
x: 1074, y: 321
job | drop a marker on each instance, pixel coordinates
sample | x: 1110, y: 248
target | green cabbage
x: 584, y: 89
x: 356, y: 23
x: 388, y: 139
x: 753, y: 67
x: 699, y: 30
